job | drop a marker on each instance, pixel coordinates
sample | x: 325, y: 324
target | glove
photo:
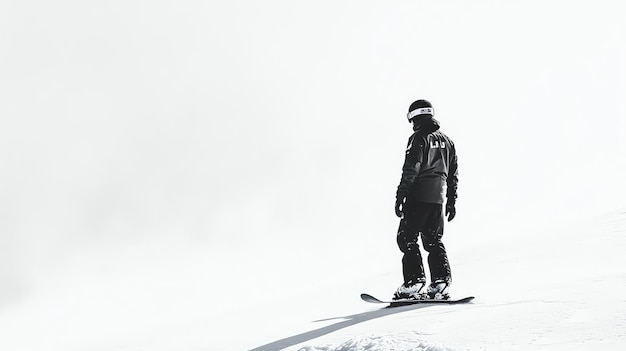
x: 400, y: 205
x: 401, y: 200
x: 450, y: 210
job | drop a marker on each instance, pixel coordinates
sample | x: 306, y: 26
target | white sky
x: 275, y: 122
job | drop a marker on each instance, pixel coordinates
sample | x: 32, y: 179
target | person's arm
x: 452, y: 182
x: 410, y: 171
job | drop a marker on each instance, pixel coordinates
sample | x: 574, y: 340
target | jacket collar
x: 426, y: 125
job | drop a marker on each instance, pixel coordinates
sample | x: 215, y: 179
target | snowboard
x: 395, y: 303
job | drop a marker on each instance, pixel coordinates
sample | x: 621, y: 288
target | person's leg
x: 432, y: 233
x: 407, y: 238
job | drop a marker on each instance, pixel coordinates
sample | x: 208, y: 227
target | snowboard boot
x: 438, y: 290
x: 410, y: 291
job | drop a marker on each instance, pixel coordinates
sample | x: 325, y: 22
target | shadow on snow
x: 348, y: 322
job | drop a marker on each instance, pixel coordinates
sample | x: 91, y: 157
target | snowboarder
x: 429, y: 176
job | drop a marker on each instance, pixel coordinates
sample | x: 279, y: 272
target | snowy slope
x: 550, y: 297
x: 564, y: 291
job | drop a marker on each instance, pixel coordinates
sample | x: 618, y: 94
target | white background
x: 244, y: 143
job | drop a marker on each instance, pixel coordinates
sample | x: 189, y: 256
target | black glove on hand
x: 400, y: 203
x: 400, y: 200
x: 450, y: 210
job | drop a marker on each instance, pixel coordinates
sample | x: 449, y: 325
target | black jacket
x: 430, y: 165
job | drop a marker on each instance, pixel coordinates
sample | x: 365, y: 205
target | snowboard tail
x: 404, y: 302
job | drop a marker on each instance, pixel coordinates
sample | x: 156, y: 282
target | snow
x: 193, y: 175
x: 553, y: 297
x: 564, y: 290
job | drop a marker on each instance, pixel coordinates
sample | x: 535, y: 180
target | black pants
x: 425, y: 220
